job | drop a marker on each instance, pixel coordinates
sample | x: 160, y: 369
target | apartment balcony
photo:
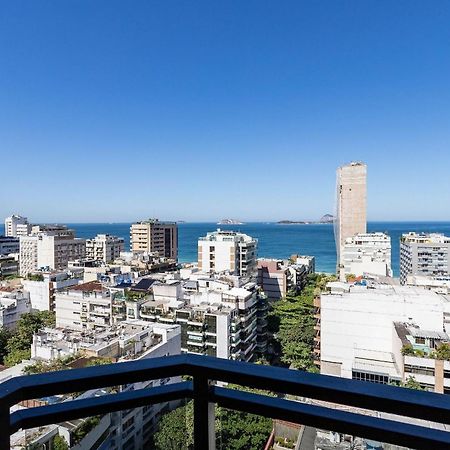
x: 205, y: 371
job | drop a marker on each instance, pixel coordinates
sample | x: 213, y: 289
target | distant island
x: 229, y: 222
x: 327, y: 218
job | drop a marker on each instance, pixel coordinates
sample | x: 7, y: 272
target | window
x: 371, y: 377
x: 419, y: 370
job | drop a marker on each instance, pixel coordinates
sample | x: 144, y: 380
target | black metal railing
x: 204, y: 371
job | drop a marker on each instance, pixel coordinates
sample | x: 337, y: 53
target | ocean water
x: 274, y: 240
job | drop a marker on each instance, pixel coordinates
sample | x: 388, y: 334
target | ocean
x: 274, y: 240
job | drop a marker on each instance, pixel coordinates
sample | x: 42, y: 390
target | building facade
x: 227, y: 251
x: 130, y: 340
x: 367, y: 253
x: 16, y: 226
x: 153, y: 236
x: 278, y: 277
x: 424, y: 254
x: 351, y: 192
x: 42, y: 291
x: 104, y: 247
x: 49, y: 249
x: 85, y: 307
x: 358, y: 334
x: 12, y: 306
x: 8, y: 245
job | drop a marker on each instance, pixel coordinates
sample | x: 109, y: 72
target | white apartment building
x: 355, y: 333
x: 9, y: 245
x: 351, y: 193
x: 49, y: 248
x: 87, y: 306
x: 227, y: 251
x: 367, y: 253
x: 104, y: 247
x: 424, y: 254
x: 216, y: 317
x: 12, y: 305
x: 16, y: 226
x: 42, y: 291
x: 130, y: 340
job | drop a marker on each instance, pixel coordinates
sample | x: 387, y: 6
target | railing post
x: 204, y: 416
x: 4, y: 428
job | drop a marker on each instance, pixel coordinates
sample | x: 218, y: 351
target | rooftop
x: 90, y: 286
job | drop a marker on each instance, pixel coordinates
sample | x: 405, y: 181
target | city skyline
x: 192, y: 108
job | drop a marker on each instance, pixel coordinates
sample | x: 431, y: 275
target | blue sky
x: 116, y: 111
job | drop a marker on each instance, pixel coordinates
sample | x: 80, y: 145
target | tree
x: 239, y: 430
x: 18, y: 345
x: 292, y: 323
x: 176, y: 429
x: 5, y: 334
x: 59, y: 443
x: 412, y: 383
x: 407, y: 350
x: 443, y: 352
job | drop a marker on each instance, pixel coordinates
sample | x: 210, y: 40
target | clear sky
x: 199, y: 110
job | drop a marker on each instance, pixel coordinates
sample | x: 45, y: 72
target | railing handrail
x: 204, y: 369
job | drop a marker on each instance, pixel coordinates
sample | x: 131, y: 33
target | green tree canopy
x: 292, y: 323
x: 59, y: 443
x: 239, y: 430
x: 443, y: 352
x: 18, y: 346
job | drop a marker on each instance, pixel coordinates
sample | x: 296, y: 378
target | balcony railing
x: 204, y: 371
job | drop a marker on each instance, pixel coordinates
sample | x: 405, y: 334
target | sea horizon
x: 274, y: 240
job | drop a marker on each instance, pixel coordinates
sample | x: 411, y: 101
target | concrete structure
x: 13, y: 304
x: 356, y: 334
x: 227, y: 251
x: 153, y: 236
x: 278, y: 277
x: 87, y: 306
x: 367, y: 253
x: 216, y: 319
x: 49, y: 248
x: 42, y: 292
x: 131, y: 340
x: 350, y: 206
x: 16, y: 226
x: 8, y: 245
x: 104, y: 247
x: 441, y: 285
x: 424, y: 254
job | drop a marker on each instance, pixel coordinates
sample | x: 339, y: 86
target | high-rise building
x: 104, y: 247
x: 424, y: 254
x: 153, y: 236
x: 16, y: 225
x: 367, y: 253
x: 227, y: 251
x: 351, y: 216
x: 49, y: 248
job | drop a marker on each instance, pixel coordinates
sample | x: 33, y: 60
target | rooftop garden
x: 441, y: 352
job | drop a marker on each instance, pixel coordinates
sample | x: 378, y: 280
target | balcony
x: 205, y: 371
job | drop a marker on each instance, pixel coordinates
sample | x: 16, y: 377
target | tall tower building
x: 153, y: 236
x: 351, y: 216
